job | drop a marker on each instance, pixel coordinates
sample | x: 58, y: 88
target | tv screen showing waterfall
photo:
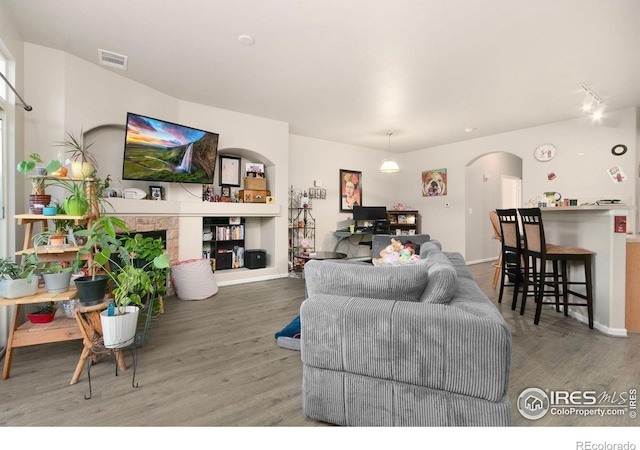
x: 156, y: 150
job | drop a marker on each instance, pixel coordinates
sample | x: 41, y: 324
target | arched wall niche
x: 249, y: 156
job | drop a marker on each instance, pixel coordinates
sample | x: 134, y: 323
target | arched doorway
x: 492, y: 180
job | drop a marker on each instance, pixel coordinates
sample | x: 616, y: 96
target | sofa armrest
x: 431, y: 345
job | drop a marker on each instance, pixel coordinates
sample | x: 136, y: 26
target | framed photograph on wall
x: 155, y: 192
x: 350, y: 189
x: 434, y: 182
x: 229, y: 170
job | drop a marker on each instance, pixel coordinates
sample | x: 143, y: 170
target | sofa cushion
x: 430, y: 246
x: 391, y: 282
x: 443, y: 280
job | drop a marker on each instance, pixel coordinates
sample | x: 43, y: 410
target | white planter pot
x: 18, y: 288
x: 81, y: 169
x: 119, y: 330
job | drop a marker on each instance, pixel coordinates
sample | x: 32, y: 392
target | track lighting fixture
x: 592, y: 104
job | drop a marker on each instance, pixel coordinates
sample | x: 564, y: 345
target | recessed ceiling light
x: 470, y: 129
x: 245, y: 39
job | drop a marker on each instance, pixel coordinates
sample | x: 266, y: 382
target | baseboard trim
x: 253, y: 279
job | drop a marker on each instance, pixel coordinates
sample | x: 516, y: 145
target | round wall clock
x: 619, y: 149
x: 544, y: 152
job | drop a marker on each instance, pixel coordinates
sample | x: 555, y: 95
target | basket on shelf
x: 255, y: 184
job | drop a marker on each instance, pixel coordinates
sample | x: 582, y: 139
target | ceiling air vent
x: 112, y: 59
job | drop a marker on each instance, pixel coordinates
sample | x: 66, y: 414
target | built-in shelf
x: 130, y: 207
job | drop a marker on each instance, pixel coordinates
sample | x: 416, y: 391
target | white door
x: 511, y: 192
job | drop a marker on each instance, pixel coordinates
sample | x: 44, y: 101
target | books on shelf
x: 230, y: 233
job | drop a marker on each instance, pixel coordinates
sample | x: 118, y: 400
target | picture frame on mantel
x: 350, y: 189
x: 229, y: 170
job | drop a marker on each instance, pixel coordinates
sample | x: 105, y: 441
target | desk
x: 321, y: 255
x: 347, y: 235
x: 60, y: 329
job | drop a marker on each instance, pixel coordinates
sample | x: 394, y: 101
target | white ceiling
x: 351, y: 70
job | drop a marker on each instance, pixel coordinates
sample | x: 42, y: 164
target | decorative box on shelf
x: 255, y: 184
x: 254, y: 196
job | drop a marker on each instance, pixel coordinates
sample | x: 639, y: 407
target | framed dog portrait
x: 434, y: 182
x: 350, y: 189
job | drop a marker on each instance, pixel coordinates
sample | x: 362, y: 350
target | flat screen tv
x: 156, y: 150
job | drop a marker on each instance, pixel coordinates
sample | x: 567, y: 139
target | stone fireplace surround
x: 158, y: 223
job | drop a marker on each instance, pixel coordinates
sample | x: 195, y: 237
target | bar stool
x: 497, y: 235
x: 536, y: 255
x: 511, y: 252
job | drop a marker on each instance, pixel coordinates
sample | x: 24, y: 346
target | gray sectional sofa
x: 411, y: 344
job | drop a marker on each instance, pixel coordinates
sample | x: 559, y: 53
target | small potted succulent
x: 18, y: 280
x: 44, y: 314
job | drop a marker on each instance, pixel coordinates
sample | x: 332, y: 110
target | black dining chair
x: 537, y: 253
x: 511, y: 253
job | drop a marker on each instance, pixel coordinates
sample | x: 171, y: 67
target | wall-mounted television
x: 156, y: 150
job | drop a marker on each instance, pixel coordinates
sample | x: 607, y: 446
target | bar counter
x: 593, y: 227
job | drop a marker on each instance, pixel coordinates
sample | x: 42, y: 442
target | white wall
x: 578, y: 176
x: 314, y: 159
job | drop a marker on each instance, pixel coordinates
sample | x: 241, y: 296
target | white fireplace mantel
x: 130, y: 207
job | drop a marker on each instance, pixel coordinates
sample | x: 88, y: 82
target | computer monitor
x: 369, y: 213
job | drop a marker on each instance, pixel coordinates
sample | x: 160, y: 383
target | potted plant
x: 142, y: 250
x: 18, y: 280
x: 51, y: 209
x: 55, y: 238
x: 37, y: 199
x: 134, y: 280
x: 83, y: 163
x: 101, y: 242
x: 44, y: 314
x: 77, y: 202
x: 56, y: 277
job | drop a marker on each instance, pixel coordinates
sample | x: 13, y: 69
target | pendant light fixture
x: 389, y: 166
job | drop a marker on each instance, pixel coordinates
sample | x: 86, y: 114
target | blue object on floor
x: 289, y: 336
x: 292, y: 330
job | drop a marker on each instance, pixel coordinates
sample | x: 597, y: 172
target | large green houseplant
x: 101, y: 242
x: 133, y: 283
